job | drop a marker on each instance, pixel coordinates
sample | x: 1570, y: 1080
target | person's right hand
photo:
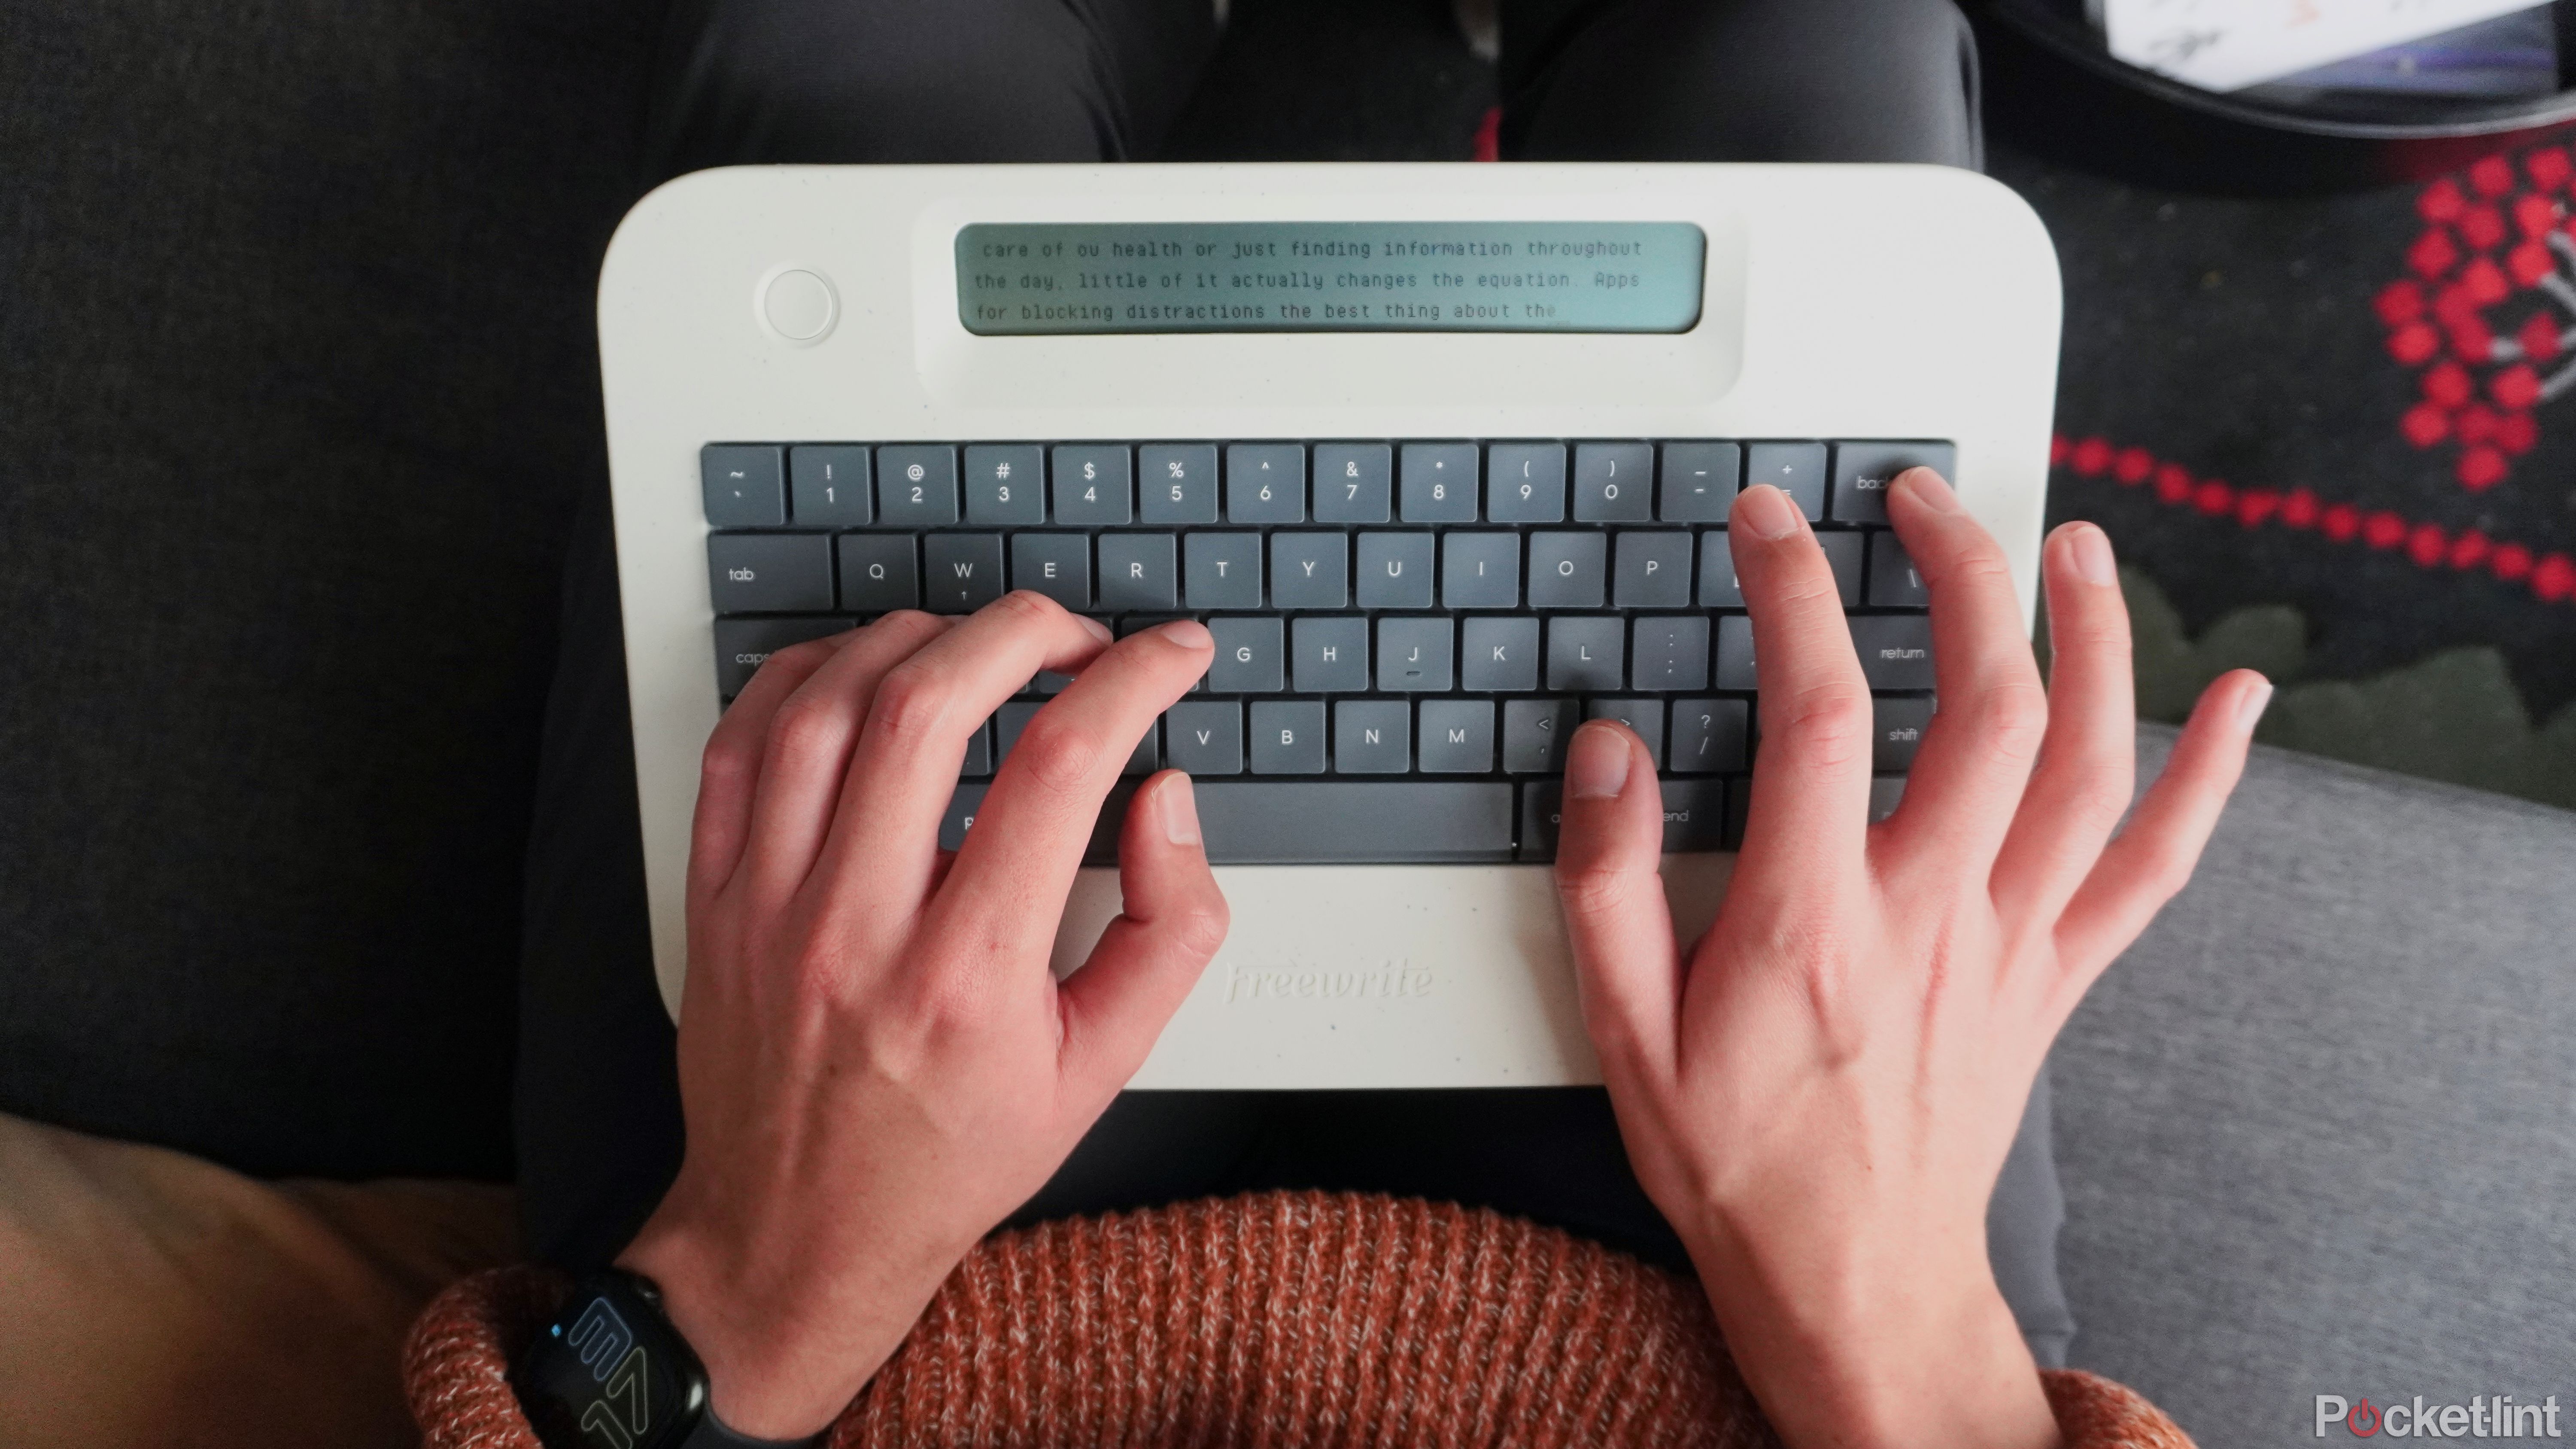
x: 876, y: 1065
x: 1820, y: 1096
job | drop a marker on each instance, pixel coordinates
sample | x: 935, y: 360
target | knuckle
x: 912, y: 703
x: 1826, y: 724
x: 2012, y: 717
x: 1026, y: 608
x: 804, y: 726
x: 1056, y: 757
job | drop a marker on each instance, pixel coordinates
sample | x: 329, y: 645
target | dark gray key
x: 961, y: 572
x: 1139, y: 571
x: 1895, y: 649
x: 1614, y: 482
x: 745, y: 485
x: 1331, y: 655
x: 1584, y: 654
x: 770, y: 573
x: 1480, y: 570
x: 978, y: 760
x: 1542, y: 816
x: 1717, y: 586
x: 879, y: 572
x: 1710, y: 736
x: 1323, y: 822
x: 1005, y: 484
x: 1669, y: 652
x: 1176, y: 483
x: 1645, y: 716
x: 1222, y: 570
x: 1843, y: 553
x: 1797, y: 469
x: 1057, y: 565
x: 1525, y: 483
x: 1695, y: 815
x: 1288, y: 737
x: 1147, y: 757
x: 1653, y: 571
x: 1265, y: 483
x: 1250, y: 656
x: 1050, y: 682
x: 1894, y: 581
x: 1091, y: 484
x: 1498, y: 654
x: 1352, y: 482
x: 960, y: 815
x: 917, y: 486
x: 1395, y: 571
x: 1372, y: 736
x: 743, y: 645
x: 1204, y: 737
x: 1734, y: 666
x: 1456, y: 737
x: 1413, y: 655
x: 1008, y: 723
x: 1699, y: 481
x: 1568, y: 570
x: 1863, y: 470
x: 1897, y: 723
x: 1310, y: 570
x: 1439, y: 482
x: 828, y: 484
x: 1886, y: 792
x: 1535, y: 732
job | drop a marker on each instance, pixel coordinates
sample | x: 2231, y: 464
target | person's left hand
x: 876, y: 1065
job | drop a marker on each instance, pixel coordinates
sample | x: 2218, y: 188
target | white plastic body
x: 1841, y: 302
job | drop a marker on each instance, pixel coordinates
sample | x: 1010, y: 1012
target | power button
x: 799, y: 305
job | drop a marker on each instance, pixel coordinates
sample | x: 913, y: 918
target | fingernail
x: 1180, y: 806
x: 1098, y: 630
x: 1766, y: 512
x: 2089, y: 549
x: 1930, y: 487
x: 1597, y: 767
x: 2249, y: 710
x: 1187, y: 633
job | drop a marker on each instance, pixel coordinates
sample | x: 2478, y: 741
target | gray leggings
x: 1092, y: 80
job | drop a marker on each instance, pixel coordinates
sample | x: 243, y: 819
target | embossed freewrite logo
x: 2482, y: 1417
x: 1386, y: 980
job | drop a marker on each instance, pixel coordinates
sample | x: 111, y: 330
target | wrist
x: 786, y: 1342
x: 1871, y: 1340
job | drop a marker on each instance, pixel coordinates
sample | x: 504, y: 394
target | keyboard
x: 1441, y: 454
x: 1406, y: 631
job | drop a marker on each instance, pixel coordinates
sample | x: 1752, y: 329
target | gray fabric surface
x: 2315, y: 1129
x: 297, y: 382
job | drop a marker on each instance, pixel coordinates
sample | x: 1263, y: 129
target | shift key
x: 1895, y: 649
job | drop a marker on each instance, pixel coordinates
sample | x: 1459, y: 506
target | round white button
x: 799, y: 305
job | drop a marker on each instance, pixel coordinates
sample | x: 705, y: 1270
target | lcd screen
x: 1023, y: 279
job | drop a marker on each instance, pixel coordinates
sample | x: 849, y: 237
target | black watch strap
x: 612, y: 1372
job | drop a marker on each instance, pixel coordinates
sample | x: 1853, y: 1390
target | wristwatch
x: 611, y: 1372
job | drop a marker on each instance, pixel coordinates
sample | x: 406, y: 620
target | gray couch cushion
x: 2316, y: 1128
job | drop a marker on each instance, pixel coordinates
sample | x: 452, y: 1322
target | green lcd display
x: 1030, y: 279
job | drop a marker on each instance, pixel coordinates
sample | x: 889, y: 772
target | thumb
x: 1172, y: 920
x: 1608, y: 854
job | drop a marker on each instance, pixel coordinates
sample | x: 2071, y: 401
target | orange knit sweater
x: 1279, y: 1319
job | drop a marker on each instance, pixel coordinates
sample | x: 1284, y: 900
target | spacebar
x: 1315, y: 822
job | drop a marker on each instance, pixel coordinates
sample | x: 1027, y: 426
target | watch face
x: 609, y: 1374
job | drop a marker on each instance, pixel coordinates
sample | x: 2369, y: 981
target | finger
x: 1172, y: 920
x: 903, y: 771
x: 729, y: 771
x: 2088, y: 761
x: 1018, y: 862
x: 1810, y: 816
x: 810, y: 738
x: 1609, y: 848
x: 1967, y: 779
x: 2154, y: 857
